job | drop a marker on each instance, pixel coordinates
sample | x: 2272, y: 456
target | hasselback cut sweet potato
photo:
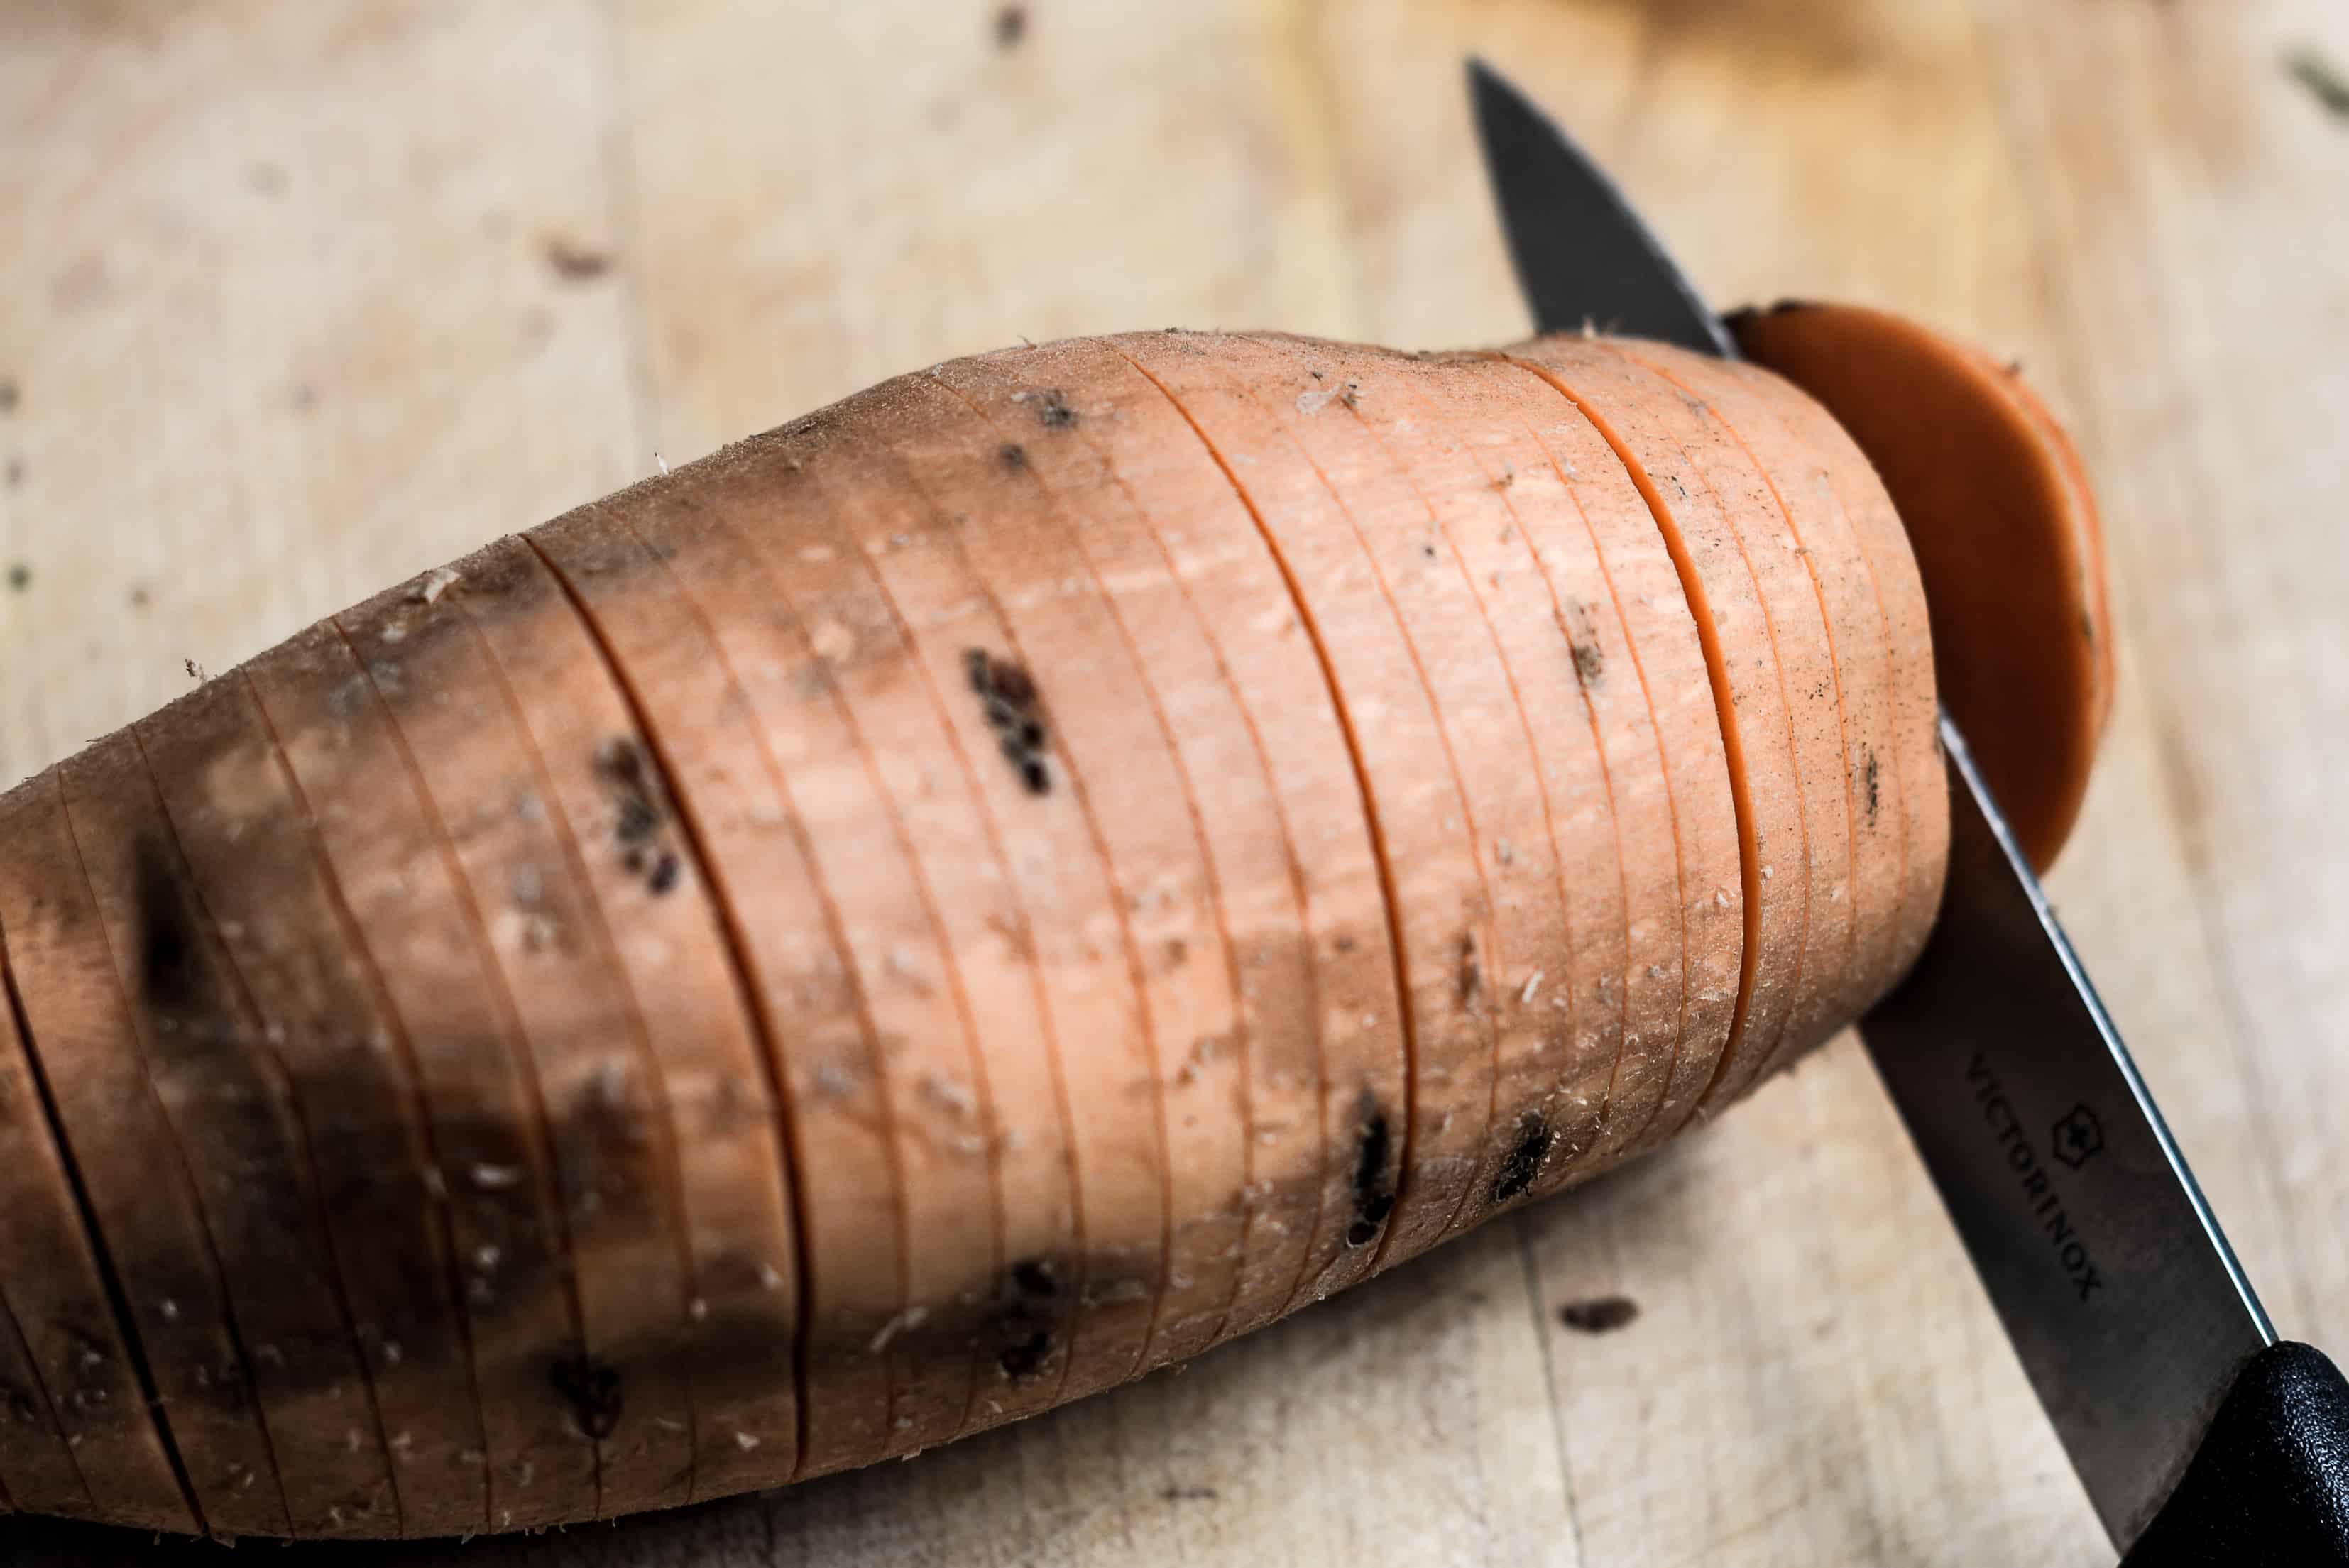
x: 989, y: 889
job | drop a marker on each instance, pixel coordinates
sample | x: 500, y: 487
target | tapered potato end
x: 2006, y: 533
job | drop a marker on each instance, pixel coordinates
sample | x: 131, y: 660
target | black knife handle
x: 2270, y: 1481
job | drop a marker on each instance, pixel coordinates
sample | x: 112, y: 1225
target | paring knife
x: 2200, y: 1436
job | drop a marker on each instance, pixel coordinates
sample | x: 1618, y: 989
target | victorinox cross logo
x: 2077, y: 1137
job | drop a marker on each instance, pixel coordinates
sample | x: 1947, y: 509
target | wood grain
x: 278, y: 328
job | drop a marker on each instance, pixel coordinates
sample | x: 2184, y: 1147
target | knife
x: 2199, y: 1436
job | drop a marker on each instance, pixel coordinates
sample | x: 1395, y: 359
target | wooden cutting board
x: 297, y: 298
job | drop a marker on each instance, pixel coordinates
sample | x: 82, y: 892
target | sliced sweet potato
x: 2004, y: 531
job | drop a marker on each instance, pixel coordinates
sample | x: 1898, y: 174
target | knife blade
x: 2196, y: 1434
x: 1583, y: 256
x: 2116, y: 1285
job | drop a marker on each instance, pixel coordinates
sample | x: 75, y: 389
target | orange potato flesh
x: 1381, y: 446
x: 1298, y: 482
x: 1552, y: 843
x: 1656, y: 434
x: 1803, y: 645
x: 1916, y: 767
x: 988, y: 890
x: 1254, y: 1072
x: 1105, y: 740
x: 2004, y: 531
x: 1852, y: 624
x: 1684, y: 925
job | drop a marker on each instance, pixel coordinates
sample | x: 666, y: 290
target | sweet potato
x: 992, y: 888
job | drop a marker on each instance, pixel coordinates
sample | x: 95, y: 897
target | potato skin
x: 991, y: 888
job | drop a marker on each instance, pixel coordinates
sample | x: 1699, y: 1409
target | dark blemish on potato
x: 167, y: 938
x: 641, y: 822
x: 19, y: 1404
x: 1024, y: 1360
x: 1008, y: 697
x: 1374, y: 1195
x: 1600, y: 1314
x: 1026, y: 1303
x: 1467, y: 973
x: 1032, y: 1278
x: 1589, y: 663
x: 20, y: 576
x: 1012, y: 684
x: 1525, y: 1158
x: 1190, y: 1494
x: 1012, y: 455
x: 592, y: 1389
x: 1052, y: 410
x: 1011, y: 26
x: 8, y: 395
x: 574, y: 262
x: 15, y: 472
x: 1874, y: 798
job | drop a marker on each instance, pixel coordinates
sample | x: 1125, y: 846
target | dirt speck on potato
x: 1525, y: 1158
x: 1009, y: 699
x: 1374, y: 1187
x: 590, y: 1388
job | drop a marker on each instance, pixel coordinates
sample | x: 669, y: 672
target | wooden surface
x: 298, y: 298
